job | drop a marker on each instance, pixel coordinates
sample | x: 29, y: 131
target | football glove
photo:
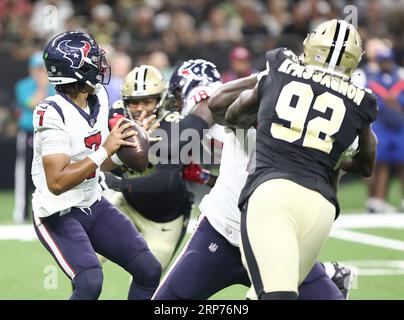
x: 352, y: 150
x: 112, y: 121
x: 194, y: 172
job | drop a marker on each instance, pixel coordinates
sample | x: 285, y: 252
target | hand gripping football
x: 136, y: 158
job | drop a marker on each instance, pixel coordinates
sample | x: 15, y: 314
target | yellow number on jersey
x: 297, y: 116
x: 173, y: 117
x: 328, y: 127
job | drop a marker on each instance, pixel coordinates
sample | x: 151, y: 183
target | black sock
x: 279, y: 295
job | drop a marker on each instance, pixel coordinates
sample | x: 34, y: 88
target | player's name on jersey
x: 328, y: 80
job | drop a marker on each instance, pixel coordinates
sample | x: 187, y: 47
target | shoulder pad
x: 278, y: 52
x: 198, y: 94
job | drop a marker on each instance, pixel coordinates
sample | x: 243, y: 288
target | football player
x: 307, y: 113
x: 72, y: 143
x: 159, y: 203
x: 214, y: 246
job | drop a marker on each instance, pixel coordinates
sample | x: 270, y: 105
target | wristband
x: 99, y: 156
x: 115, y: 159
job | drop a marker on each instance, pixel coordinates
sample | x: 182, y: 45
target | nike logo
x: 164, y: 229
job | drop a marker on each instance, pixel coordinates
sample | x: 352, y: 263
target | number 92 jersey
x: 308, y: 116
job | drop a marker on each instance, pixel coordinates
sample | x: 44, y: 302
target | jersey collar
x: 94, y: 107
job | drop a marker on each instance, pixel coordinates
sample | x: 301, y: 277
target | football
x: 136, y: 158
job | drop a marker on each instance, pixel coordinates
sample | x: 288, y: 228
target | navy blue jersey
x: 307, y: 118
x: 161, y: 194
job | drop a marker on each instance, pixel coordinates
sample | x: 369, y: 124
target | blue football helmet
x: 75, y: 56
x: 191, y: 74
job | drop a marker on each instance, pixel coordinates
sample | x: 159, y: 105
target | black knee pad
x: 87, y: 285
x: 145, y: 269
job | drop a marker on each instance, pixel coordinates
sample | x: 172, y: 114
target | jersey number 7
x: 93, y: 142
x: 319, y: 131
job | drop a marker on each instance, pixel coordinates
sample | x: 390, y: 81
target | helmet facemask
x: 144, y: 83
x: 95, y: 70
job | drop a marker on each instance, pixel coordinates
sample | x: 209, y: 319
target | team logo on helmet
x: 193, y: 73
x: 75, y: 55
x: 199, y: 70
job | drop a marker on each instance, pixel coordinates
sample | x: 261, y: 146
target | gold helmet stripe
x: 340, y: 41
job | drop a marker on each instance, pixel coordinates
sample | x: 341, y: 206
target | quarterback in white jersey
x: 60, y: 126
x: 72, y: 143
x: 211, y: 260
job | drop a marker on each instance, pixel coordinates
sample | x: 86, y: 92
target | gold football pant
x: 162, y: 238
x: 283, y: 232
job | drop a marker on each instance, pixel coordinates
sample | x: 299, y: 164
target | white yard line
x: 364, y: 238
x: 365, y: 220
x: 379, y: 272
x: 377, y: 267
x: 345, y: 221
x: 24, y: 232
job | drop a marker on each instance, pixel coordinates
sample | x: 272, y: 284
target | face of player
x: 136, y: 107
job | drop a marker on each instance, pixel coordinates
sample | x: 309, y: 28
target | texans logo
x: 194, y: 70
x: 199, y: 70
x: 73, y: 54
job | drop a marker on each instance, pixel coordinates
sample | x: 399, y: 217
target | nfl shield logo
x: 92, y: 122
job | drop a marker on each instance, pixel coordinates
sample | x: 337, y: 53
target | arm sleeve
x: 371, y: 108
x: 51, y: 130
x: 193, y: 122
x: 191, y: 130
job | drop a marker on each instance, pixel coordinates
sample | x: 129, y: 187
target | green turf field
x: 27, y: 271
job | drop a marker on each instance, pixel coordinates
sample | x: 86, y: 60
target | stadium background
x: 164, y: 33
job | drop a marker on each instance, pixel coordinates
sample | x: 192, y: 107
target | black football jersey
x: 307, y: 118
x: 161, y: 194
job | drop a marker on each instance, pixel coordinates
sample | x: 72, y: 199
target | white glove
x: 349, y: 153
x: 352, y: 150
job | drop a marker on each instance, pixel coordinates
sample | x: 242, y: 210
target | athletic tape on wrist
x: 115, y: 159
x: 99, y: 156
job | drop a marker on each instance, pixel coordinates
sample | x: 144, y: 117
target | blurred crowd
x: 234, y: 34
x: 164, y: 32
